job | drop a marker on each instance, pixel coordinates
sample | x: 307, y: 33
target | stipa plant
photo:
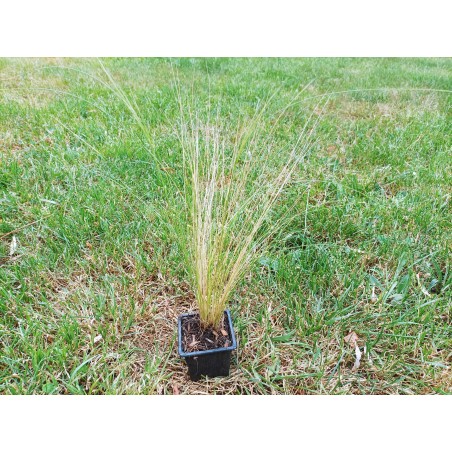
x: 232, y: 178
x: 232, y: 181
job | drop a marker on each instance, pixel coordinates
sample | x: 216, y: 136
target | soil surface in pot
x: 196, y: 339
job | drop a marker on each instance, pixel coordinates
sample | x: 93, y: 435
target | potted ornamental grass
x: 221, y: 191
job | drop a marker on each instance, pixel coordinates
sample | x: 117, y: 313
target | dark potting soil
x: 196, y: 339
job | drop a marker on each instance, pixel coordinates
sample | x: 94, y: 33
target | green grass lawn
x: 90, y: 295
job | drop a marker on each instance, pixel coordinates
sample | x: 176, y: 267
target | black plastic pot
x: 210, y: 363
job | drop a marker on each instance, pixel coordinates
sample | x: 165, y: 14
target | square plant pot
x: 211, y: 363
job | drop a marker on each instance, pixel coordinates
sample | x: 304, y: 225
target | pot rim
x: 205, y: 352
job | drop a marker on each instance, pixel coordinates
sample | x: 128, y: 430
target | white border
x: 225, y: 28
x: 217, y: 423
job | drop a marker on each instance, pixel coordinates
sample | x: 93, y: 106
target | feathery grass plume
x: 233, y: 176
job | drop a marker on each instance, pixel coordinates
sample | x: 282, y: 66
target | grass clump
x: 232, y: 181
